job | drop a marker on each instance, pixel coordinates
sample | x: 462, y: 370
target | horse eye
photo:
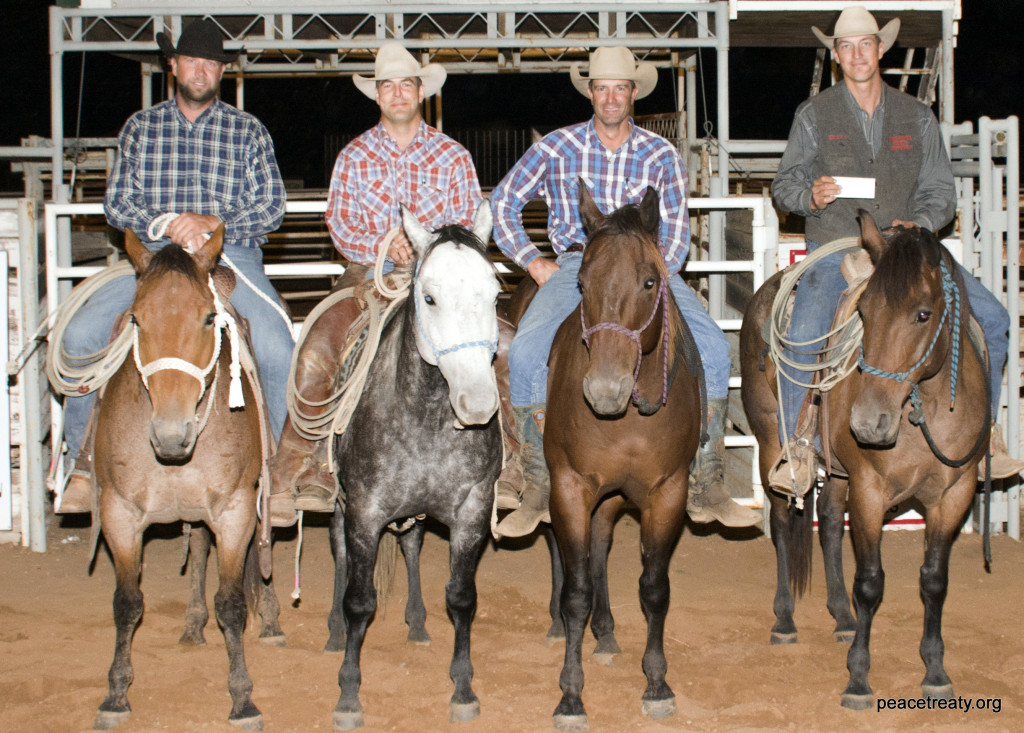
x: 133, y: 319
x: 648, y: 283
x: 211, y: 318
x: 428, y: 299
x: 579, y: 285
x: 923, y: 317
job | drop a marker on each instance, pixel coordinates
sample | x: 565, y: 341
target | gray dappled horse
x: 424, y: 439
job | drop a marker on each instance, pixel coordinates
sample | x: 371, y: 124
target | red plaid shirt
x: 433, y: 177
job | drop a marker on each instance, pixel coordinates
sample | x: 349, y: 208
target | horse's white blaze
x: 458, y: 290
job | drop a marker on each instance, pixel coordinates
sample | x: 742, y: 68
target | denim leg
x: 272, y: 339
x: 711, y: 342
x: 814, y: 307
x: 87, y: 333
x: 528, y: 353
x: 995, y: 322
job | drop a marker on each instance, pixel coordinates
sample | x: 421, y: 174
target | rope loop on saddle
x: 634, y: 336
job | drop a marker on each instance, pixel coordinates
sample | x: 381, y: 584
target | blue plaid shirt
x: 222, y: 164
x: 550, y: 168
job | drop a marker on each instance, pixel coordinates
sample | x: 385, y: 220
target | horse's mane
x: 908, y: 251
x: 172, y: 258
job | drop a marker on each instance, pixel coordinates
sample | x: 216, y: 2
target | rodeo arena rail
x: 736, y: 242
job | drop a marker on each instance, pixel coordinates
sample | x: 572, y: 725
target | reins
x: 634, y: 336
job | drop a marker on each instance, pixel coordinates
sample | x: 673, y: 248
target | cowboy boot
x: 796, y: 469
x: 533, y: 509
x: 78, y: 490
x: 708, y: 499
x: 509, y: 485
x: 1003, y: 464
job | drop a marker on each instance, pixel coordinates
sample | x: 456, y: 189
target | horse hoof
x: 463, y: 712
x: 419, y: 637
x: 605, y: 659
x: 844, y: 637
x: 106, y: 719
x: 188, y: 639
x: 575, y: 723
x: 276, y: 640
x: 659, y: 709
x: 779, y: 638
x: 252, y: 722
x: 938, y: 692
x: 348, y: 720
x: 857, y: 702
x: 334, y: 647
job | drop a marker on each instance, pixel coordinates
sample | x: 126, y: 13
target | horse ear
x: 589, y: 213
x: 870, y: 237
x: 137, y: 253
x: 417, y: 234
x: 483, y: 222
x: 650, y: 214
x: 206, y: 256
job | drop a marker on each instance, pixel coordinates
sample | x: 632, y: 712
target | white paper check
x: 855, y: 188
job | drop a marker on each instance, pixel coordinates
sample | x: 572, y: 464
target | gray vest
x: 843, y: 151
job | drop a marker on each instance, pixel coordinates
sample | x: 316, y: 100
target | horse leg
x: 557, y: 630
x: 415, y: 612
x: 196, y: 613
x: 362, y: 536
x: 781, y: 520
x: 570, y: 516
x: 261, y: 598
x: 601, y: 622
x: 229, y: 604
x: 866, y: 514
x: 124, y: 538
x: 660, y: 524
x: 941, y: 525
x: 336, y: 619
x: 831, y: 508
x: 467, y: 540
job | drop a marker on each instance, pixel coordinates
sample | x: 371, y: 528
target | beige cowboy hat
x: 394, y: 62
x: 616, y: 62
x: 856, y: 21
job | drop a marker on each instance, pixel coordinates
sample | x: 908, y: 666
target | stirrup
x: 794, y: 478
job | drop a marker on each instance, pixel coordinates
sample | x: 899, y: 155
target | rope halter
x: 951, y: 301
x: 634, y: 336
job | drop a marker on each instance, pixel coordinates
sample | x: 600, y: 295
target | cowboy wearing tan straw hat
x: 617, y: 160
x: 861, y: 144
x: 401, y: 160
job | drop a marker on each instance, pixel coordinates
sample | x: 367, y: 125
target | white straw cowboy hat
x: 856, y: 21
x: 616, y: 62
x: 394, y: 62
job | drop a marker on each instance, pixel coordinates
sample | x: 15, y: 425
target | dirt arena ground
x: 56, y: 642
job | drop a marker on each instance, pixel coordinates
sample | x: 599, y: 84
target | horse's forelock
x: 459, y: 236
x: 908, y: 252
x: 172, y: 258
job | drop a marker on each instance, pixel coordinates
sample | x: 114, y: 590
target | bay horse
x: 424, y: 439
x: 910, y: 421
x: 169, y: 448
x: 605, y: 443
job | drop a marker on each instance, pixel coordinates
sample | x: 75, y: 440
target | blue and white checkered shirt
x: 550, y: 168
x: 222, y: 164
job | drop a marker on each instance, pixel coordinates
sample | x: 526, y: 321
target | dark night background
x: 767, y: 84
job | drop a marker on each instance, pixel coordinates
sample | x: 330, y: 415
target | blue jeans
x: 89, y: 331
x: 528, y: 354
x: 814, y: 306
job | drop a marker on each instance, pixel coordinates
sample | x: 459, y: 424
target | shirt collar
x: 208, y: 113
x: 591, y: 140
x: 422, y: 136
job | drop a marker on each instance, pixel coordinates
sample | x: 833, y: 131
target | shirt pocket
x: 225, y: 183
x: 376, y: 197
x: 430, y: 191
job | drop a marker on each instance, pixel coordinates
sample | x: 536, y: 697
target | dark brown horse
x: 910, y: 421
x: 168, y: 448
x: 623, y: 422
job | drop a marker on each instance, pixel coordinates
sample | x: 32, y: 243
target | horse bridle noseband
x: 634, y: 336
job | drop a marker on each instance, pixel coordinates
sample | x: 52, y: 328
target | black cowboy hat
x: 201, y: 39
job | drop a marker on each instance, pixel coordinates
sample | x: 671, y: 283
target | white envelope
x: 855, y: 188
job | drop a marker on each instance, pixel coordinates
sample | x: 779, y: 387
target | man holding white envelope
x: 861, y: 144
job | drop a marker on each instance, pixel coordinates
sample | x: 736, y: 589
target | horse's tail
x: 384, y: 570
x: 251, y: 583
x: 797, y: 536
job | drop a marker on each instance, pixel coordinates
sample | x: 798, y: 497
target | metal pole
x: 57, y: 105
x: 720, y: 183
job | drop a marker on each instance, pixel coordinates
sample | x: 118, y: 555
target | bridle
x: 634, y: 336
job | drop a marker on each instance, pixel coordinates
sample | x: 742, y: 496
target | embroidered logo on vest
x: 838, y: 137
x: 901, y: 142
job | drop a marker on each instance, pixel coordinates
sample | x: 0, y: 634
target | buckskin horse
x: 909, y: 421
x: 625, y: 399
x: 168, y: 448
x: 424, y: 439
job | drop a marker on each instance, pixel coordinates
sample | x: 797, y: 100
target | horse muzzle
x: 608, y: 394
x: 874, y: 424
x: 173, y: 440
x: 475, y: 407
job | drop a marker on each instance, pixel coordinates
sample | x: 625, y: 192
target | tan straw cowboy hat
x: 616, y: 62
x: 394, y: 62
x: 856, y: 21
